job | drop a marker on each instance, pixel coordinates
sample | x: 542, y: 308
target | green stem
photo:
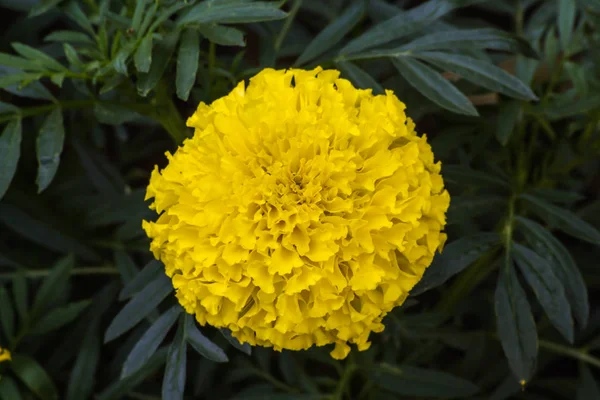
x: 342, y: 387
x: 287, y: 24
x: 578, y: 354
x: 277, y: 383
x: 33, y: 111
x: 41, y: 273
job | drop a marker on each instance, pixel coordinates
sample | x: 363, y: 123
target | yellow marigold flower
x: 300, y: 213
x: 4, y: 355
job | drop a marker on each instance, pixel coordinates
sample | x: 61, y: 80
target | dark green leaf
x: 59, y: 317
x: 71, y: 55
x: 50, y: 143
x: 150, y: 341
x: 148, y: 274
x: 466, y: 176
x: 34, y: 377
x: 359, y: 77
x: 187, y: 63
x: 588, y: 387
x: 576, y: 73
x: 209, y: 12
x: 556, y: 195
x: 76, y: 14
x: 456, y: 256
x: 21, y: 295
x: 479, y: 72
x: 38, y: 57
x: 201, y: 344
x: 563, y: 265
x: 43, y: 6
x: 580, y: 106
x: 433, y: 86
x: 10, y: 152
x: 138, y: 13
x: 7, y: 314
x: 566, y: 22
x: 407, y: 380
x: 69, y: 36
x: 222, y: 35
x: 245, y: 348
x: 9, y: 389
x: 8, y: 60
x: 143, y: 55
x: 119, y: 389
x: 333, y: 33
x: 548, y: 289
x: 112, y: 114
x: 81, y: 380
x: 174, y: 380
x: 516, y: 326
x: 21, y: 79
x: 161, y: 54
x: 563, y: 219
x: 60, y: 272
x: 509, y: 113
x: 139, y: 307
x: 465, y: 207
x: 126, y: 266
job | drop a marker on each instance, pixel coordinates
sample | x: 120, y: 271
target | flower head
x: 300, y: 213
x: 4, y: 355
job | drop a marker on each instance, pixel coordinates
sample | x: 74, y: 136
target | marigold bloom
x: 4, y: 355
x: 300, y: 213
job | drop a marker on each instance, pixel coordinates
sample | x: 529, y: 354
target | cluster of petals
x: 4, y: 355
x: 301, y: 211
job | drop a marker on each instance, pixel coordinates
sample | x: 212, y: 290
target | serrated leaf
x: 509, y: 113
x: 564, y: 220
x: 548, y: 289
x: 359, y: 77
x: 161, y: 54
x: 333, y: 33
x: 201, y: 344
x: 244, y: 348
x: 120, y: 388
x: 150, y: 341
x: 59, y: 317
x: 222, y: 35
x: 50, y: 143
x: 588, y: 387
x: 407, y: 380
x: 139, y: 307
x: 60, y: 272
x: 143, y: 55
x: 187, y: 63
x: 7, y: 314
x: 211, y: 12
x: 82, y: 377
x: 38, y: 57
x: 69, y: 36
x: 566, y: 21
x: 515, y: 324
x: 433, y: 86
x: 174, y: 379
x: 455, y: 257
x: 479, y: 72
x: 10, y: 152
x: 34, y: 377
x: 563, y: 265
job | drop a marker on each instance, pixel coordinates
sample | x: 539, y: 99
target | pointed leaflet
x: 149, y: 273
x: 7, y: 314
x: 433, y: 86
x: 174, y: 380
x: 21, y: 295
x: 150, y: 341
x: 38, y: 57
x: 359, y: 77
x: 563, y: 266
x: 139, y: 307
x: 161, y: 54
x: 81, y: 380
x: 333, y: 33
x: 508, y: 115
x: 201, y: 344
x: 407, y: 380
x: 456, y: 256
x: 222, y: 35
x: 208, y: 12
x: 127, y: 268
x: 10, y: 152
x: 245, y: 348
x: 50, y: 143
x: 564, y: 220
x: 187, y: 63
x: 548, y: 289
x: 59, y: 317
x: 515, y: 324
x: 143, y: 55
x: 34, y: 377
x: 566, y: 21
x: 479, y: 72
x: 46, y: 295
x: 9, y: 389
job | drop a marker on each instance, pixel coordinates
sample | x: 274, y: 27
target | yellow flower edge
x: 300, y: 213
x: 4, y: 355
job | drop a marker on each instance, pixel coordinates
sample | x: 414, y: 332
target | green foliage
x: 94, y: 92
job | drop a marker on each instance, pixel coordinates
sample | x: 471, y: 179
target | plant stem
x: 578, y: 354
x: 41, y: 273
x: 287, y: 24
x: 33, y: 111
x: 342, y: 386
